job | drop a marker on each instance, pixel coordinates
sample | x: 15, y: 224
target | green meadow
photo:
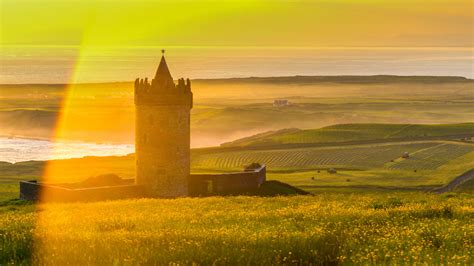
x: 329, y: 228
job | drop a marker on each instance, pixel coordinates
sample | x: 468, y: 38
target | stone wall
x: 226, y: 183
x: 31, y: 190
x: 199, y: 185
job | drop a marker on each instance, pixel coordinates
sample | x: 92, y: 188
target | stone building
x: 162, y: 133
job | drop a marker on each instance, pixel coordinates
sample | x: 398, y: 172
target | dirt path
x: 458, y: 180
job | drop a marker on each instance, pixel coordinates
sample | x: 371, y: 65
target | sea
x: 79, y: 64
x: 14, y: 150
x: 66, y: 64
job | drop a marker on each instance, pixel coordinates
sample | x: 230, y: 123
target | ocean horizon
x: 100, y: 64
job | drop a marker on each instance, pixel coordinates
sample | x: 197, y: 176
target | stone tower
x: 162, y: 133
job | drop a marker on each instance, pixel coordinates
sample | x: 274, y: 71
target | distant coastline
x: 6, y: 136
x: 56, y: 140
x: 58, y: 65
x: 346, y: 79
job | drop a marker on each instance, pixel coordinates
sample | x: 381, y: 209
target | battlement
x: 162, y: 89
x: 142, y: 85
x: 154, y: 93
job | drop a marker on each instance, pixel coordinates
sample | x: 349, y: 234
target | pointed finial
x: 163, y: 51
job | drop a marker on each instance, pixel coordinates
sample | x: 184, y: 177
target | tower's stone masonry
x: 162, y: 133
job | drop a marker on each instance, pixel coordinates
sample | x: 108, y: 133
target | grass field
x: 329, y: 228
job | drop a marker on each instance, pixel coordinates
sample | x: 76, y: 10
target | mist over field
x: 228, y: 109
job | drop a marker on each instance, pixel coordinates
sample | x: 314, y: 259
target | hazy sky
x: 238, y: 23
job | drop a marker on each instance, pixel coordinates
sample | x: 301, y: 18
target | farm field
x: 328, y: 228
x: 432, y: 157
x: 427, y: 155
x: 361, y: 166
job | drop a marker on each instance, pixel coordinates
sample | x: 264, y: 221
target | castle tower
x: 162, y: 133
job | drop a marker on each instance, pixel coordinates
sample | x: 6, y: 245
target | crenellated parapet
x: 184, y: 86
x: 144, y: 86
x: 162, y: 90
x: 147, y: 93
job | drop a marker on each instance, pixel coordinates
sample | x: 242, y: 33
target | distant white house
x: 281, y: 102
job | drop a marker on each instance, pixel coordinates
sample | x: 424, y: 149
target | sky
x: 290, y: 23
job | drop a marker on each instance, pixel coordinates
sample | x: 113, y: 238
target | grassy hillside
x: 354, y: 132
x: 327, y: 229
